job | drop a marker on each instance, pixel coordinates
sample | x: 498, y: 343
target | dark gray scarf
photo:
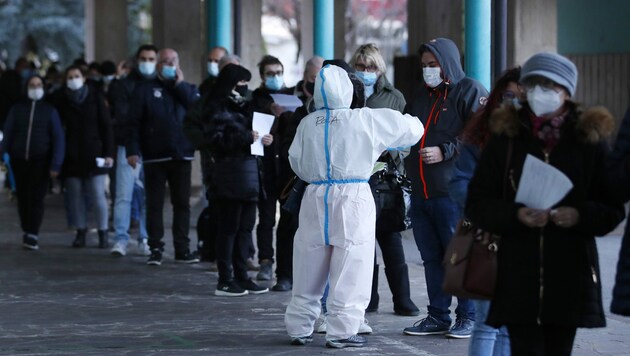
x: 77, y: 96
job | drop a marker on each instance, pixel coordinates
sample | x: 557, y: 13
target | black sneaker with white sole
x: 29, y: 242
x: 352, y: 341
x: 231, y: 289
x: 155, y: 259
x: 301, y: 341
x: 186, y: 257
x: 252, y: 287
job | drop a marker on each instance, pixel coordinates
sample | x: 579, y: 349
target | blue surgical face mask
x: 213, y: 69
x: 274, y: 83
x: 368, y: 78
x: 146, y: 68
x: 168, y: 72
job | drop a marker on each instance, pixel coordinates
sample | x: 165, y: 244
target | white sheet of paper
x: 289, y: 102
x: 261, y: 123
x: 542, y: 185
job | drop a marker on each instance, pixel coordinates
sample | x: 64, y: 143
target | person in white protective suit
x: 334, y: 150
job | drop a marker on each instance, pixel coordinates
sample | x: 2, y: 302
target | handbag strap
x: 508, y: 160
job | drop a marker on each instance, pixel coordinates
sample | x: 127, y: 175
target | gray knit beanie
x: 554, y: 67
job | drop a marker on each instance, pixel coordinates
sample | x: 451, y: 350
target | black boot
x: 103, y: 239
x: 398, y: 280
x: 79, y: 240
x: 374, y: 299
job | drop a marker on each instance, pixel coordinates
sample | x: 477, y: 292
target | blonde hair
x: 370, y: 55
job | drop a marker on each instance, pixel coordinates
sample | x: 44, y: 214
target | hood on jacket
x: 333, y: 88
x: 592, y: 126
x: 447, y: 54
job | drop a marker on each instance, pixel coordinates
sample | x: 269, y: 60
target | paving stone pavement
x: 64, y: 301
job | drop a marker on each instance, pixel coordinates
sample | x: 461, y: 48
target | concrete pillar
x: 533, y: 28
x: 341, y: 8
x: 429, y: 19
x: 105, y: 30
x: 179, y: 27
x: 479, y: 40
x: 323, y: 28
x: 251, y: 50
x: 306, y: 33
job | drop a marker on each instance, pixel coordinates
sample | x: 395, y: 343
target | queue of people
x: 140, y: 122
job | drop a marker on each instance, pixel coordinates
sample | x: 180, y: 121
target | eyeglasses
x: 363, y: 68
x: 508, y: 95
x: 544, y: 83
x: 273, y: 74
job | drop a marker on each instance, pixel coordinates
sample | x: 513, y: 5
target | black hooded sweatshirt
x: 443, y: 111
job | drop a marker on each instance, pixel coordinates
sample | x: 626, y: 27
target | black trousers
x: 541, y: 340
x: 287, y: 226
x: 177, y: 174
x: 266, y: 221
x: 31, y: 185
x: 235, y: 223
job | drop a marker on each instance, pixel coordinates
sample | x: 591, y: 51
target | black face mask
x: 310, y: 87
x: 241, y: 90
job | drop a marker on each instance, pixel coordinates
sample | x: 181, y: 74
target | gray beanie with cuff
x: 554, y: 67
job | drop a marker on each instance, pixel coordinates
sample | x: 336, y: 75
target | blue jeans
x: 125, y: 186
x: 95, y: 188
x: 486, y: 340
x: 434, y: 221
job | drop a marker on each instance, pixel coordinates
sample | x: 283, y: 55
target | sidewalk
x: 60, y: 300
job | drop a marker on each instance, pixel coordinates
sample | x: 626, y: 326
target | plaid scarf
x: 547, y: 130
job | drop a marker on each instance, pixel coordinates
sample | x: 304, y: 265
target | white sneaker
x: 323, y: 326
x: 119, y: 249
x: 364, y: 328
x: 143, y: 248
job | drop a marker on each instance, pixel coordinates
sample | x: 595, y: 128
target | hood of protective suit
x: 333, y: 89
x: 447, y: 54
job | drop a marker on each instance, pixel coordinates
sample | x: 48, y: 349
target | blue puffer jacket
x: 35, y: 137
x: 156, y: 115
x: 620, y: 166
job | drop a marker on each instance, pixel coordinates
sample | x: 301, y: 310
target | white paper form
x: 542, y: 185
x: 289, y: 102
x: 261, y: 123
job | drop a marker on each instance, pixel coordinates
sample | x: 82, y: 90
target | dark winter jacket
x: 620, y: 166
x: 119, y: 98
x: 221, y: 129
x: 89, y: 133
x: 11, y: 90
x: 261, y: 102
x: 156, y: 116
x: 463, y: 171
x: 443, y: 111
x: 33, y: 131
x: 549, y: 275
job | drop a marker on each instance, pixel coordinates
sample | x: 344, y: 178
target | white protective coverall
x: 335, y: 149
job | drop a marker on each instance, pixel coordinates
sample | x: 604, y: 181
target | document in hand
x: 542, y: 185
x: 289, y: 102
x: 261, y: 123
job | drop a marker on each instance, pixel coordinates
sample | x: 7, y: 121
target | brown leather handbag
x: 470, y: 261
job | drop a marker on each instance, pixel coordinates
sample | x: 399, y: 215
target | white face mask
x: 544, y: 101
x: 431, y: 76
x: 36, y: 93
x: 75, y: 84
x: 213, y: 69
